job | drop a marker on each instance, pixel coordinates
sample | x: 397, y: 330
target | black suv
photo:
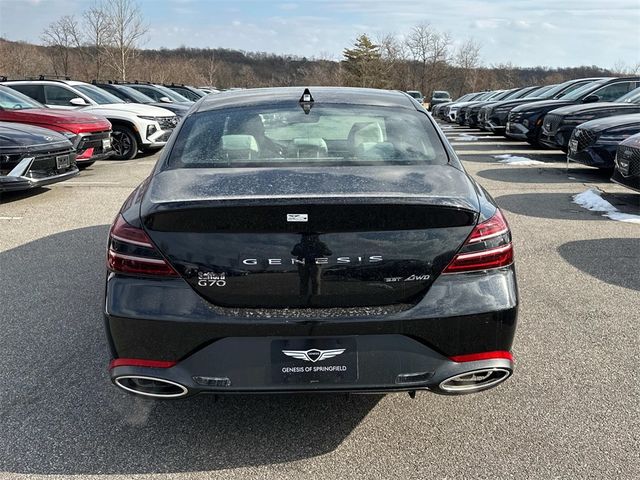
x: 525, y: 121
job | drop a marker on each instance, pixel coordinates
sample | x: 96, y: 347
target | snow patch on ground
x: 515, y: 160
x: 591, y: 200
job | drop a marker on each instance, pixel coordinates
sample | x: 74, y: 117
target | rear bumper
x: 165, y: 320
x: 382, y: 363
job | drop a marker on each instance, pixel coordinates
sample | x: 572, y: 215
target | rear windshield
x: 336, y: 134
x: 440, y: 95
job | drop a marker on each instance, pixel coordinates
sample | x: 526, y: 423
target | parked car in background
x: 438, y: 97
x: 491, y: 123
x: 558, y: 124
x: 209, y: 90
x: 498, y: 113
x: 134, y: 126
x: 461, y: 117
x: 473, y: 110
x: 190, y: 93
x: 627, y: 163
x: 594, y: 143
x: 33, y: 157
x: 525, y: 121
x: 439, y: 111
x: 131, y: 95
x: 160, y: 93
x: 89, y: 134
x: 416, y: 94
x: 451, y: 110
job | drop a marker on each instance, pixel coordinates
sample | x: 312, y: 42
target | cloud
x: 524, y: 32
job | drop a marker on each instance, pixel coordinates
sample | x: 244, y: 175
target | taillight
x: 488, y: 246
x: 132, y: 252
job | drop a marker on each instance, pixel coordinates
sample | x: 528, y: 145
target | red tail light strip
x: 138, y: 362
x: 132, y: 252
x: 473, y: 357
x: 484, y: 260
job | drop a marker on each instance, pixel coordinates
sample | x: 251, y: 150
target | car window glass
x: 614, y: 91
x: 632, y: 97
x: 33, y: 91
x: 14, y: 100
x: 149, y: 92
x: 98, y: 95
x: 188, y: 94
x: 339, y: 135
x: 57, y: 95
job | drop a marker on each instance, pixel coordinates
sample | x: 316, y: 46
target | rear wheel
x: 124, y: 143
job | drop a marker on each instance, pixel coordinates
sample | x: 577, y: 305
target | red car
x: 89, y: 134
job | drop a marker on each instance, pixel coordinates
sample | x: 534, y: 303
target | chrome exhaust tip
x: 475, y: 380
x: 150, y: 386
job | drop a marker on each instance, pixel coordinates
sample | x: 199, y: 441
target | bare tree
x: 61, y: 37
x: 97, y: 26
x: 430, y: 49
x: 127, y: 29
x: 467, y: 59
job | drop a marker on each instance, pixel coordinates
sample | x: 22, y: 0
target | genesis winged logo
x: 313, y: 355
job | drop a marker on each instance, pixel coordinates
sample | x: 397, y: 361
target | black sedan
x: 627, y: 163
x: 323, y: 240
x: 525, y: 121
x: 558, y: 124
x: 33, y: 157
x: 594, y: 143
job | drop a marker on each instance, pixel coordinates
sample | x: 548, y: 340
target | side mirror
x: 80, y: 102
x: 591, y: 99
x: 166, y: 100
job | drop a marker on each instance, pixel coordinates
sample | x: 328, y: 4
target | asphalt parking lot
x: 572, y: 409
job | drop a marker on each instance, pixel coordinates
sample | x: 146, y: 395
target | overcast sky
x: 524, y: 32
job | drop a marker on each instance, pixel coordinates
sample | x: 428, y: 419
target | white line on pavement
x: 62, y: 184
x: 11, y: 218
x: 513, y: 152
x: 468, y: 144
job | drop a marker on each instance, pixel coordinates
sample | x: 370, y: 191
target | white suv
x: 134, y: 126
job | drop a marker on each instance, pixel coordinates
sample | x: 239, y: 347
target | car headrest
x: 375, y: 150
x: 239, y: 147
x: 309, y: 147
x: 365, y: 132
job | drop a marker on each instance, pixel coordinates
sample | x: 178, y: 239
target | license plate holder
x: 312, y: 361
x: 62, y: 161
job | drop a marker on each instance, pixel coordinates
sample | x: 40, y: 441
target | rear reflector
x: 138, y: 362
x: 88, y: 153
x: 488, y: 246
x: 473, y: 357
x: 132, y: 252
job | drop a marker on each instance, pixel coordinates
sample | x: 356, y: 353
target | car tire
x: 124, y: 143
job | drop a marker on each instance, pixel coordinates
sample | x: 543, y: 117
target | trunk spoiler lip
x: 150, y: 207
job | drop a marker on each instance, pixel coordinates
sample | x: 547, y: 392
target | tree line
x: 105, y: 42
